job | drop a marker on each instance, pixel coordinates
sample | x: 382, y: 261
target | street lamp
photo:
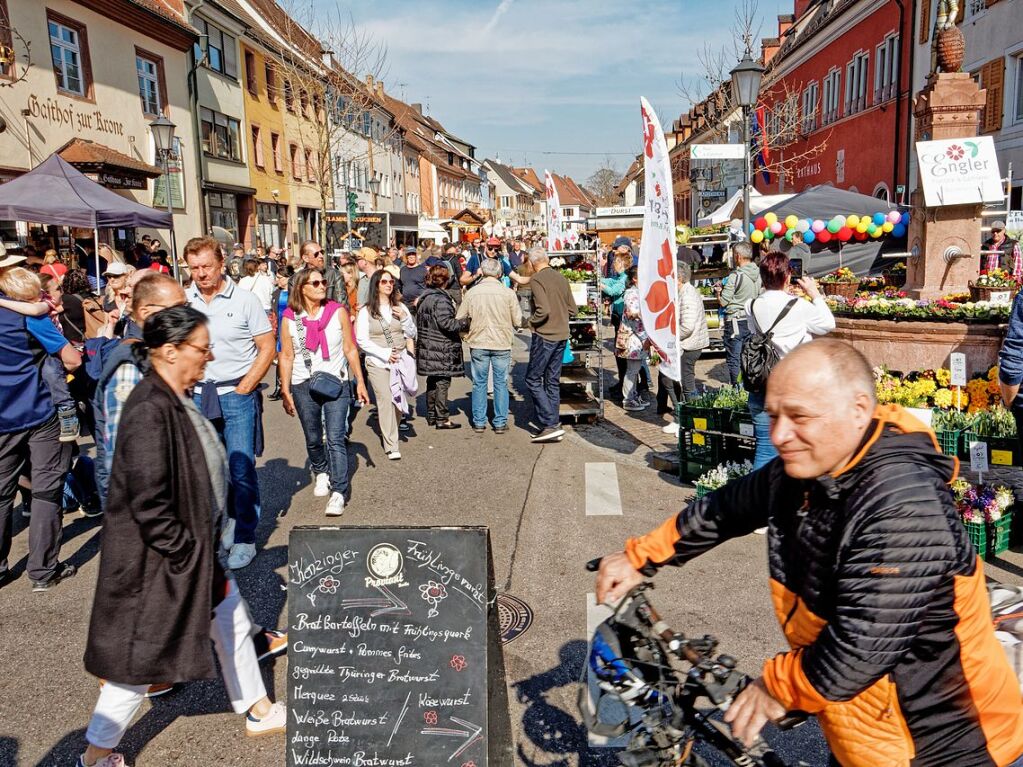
x: 374, y: 188
x: 163, y: 139
x: 746, y: 79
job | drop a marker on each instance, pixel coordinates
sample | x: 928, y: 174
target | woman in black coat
x: 159, y: 575
x: 438, y: 346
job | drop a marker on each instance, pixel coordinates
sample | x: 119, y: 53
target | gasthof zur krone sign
x: 959, y: 171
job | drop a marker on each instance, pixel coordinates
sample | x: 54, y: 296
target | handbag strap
x: 300, y: 327
x: 777, y: 319
x: 386, y: 330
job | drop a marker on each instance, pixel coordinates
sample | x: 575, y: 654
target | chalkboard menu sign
x: 390, y: 647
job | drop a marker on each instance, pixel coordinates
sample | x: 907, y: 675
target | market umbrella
x: 826, y: 202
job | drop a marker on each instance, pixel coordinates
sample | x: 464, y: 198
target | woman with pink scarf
x: 320, y: 374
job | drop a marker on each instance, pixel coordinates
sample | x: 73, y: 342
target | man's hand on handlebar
x: 616, y: 578
x: 751, y: 710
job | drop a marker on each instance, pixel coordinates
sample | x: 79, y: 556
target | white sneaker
x: 112, y: 759
x: 634, y: 405
x: 322, y: 488
x: 336, y: 505
x: 394, y: 455
x: 276, y: 720
x: 672, y: 429
x: 227, y: 535
x: 241, y: 555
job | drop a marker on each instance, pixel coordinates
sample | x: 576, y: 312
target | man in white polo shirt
x: 243, y: 348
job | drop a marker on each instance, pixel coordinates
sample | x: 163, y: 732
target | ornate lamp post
x: 746, y: 78
x: 163, y: 137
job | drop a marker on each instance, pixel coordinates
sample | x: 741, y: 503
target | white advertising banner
x: 959, y: 171
x: 658, y: 288
x: 717, y: 152
x: 555, y: 234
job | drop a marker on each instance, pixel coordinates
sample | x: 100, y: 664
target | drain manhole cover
x: 514, y: 617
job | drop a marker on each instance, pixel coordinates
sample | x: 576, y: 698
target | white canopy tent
x: 732, y: 207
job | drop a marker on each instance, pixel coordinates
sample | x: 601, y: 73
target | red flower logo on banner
x: 955, y: 152
x: 658, y: 297
x: 648, y: 134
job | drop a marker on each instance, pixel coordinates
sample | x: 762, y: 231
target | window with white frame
x: 66, y: 53
x: 886, y: 70
x: 856, y: 84
x: 220, y: 134
x: 811, y: 94
x: 149, y: 84
x: 975, y: 7
x: 832, y: 97
x: 1018, y: 116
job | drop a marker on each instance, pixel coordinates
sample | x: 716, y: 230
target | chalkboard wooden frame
x: 395, y: 657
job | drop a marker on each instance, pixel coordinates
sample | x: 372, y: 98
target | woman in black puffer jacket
x: 438, y: 346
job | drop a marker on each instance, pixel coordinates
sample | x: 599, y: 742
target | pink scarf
x: 315, y: 330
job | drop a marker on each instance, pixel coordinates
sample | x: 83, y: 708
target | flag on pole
x: 658, y: 287
x: 555, y: 235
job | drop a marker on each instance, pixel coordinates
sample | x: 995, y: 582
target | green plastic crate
x: 1001, y: 451
x: 702, y: 492
x: 998, y: 534
x: 706, y: 418
x: 978, y: 537
x: 948, y: 441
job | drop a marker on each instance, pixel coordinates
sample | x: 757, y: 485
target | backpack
x: 759, y: 355
x: 95, y: 317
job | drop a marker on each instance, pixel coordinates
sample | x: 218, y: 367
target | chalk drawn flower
x: 433, y: 593
x: 955, y: 152
x: 329, y: 584
x: 458, y: 662
x: 430, y: 717
x: 469, y: 764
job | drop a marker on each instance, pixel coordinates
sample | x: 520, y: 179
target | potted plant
x: 720, y: 476
x: 841, y: 282
x: 997, y: 427
x: 895, y: 275
x: 993, y: 281
x: 949, y: 425
x: 986, y: 513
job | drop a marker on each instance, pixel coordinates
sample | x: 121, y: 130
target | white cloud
x: 501, y: 10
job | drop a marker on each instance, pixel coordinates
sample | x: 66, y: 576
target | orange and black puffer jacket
x: 881, y: 597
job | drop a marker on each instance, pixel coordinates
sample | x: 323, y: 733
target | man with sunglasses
x: 313, y: 258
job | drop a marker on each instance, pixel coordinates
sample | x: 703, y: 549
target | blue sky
x: 520, y: 77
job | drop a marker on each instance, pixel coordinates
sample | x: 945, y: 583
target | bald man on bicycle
x: 877, y: 588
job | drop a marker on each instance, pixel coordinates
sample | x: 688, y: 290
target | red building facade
x: 837, y: 96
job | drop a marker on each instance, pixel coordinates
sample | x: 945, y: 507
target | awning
x: 732, y: 207
x: 214, y: 186
x: 111, y: 168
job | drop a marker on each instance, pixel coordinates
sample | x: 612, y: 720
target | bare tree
x: 603, y: 181
x: 331, y: 71
x: 789, y: 114
x: 13, y: 46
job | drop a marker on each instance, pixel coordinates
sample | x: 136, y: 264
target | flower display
x: 996, y: 278
x: 722, y: 474
x: 725, y: 398
x: 841, y: 275
x: 932, y: 388
x: 895, y: 305
x: 981, y: 503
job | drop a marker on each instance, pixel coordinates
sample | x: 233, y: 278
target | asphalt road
x: 534, y: 500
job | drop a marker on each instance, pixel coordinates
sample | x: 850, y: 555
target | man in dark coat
x: 438, y: 346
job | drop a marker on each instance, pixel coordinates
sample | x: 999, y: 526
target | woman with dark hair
x: 318, y: 332
x: 160, y: 579
x: 81, y: 305
x: 797, y: 321
x: 439, y: 345
x: 278, y: 303
x: 259, y: 283
x: 384, y: 329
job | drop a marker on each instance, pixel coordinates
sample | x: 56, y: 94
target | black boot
x: 275, y: 395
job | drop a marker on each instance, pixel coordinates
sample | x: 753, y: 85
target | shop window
x: 69, y: 52
x: 275, y: 149
x: 223, y: 211
x: 251, y: 83
x: 257, y: 146
x: 221, y: 54
x: 152, y: 86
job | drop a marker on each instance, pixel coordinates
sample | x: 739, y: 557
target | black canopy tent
x: 826, y: 202
x: 54, y: 192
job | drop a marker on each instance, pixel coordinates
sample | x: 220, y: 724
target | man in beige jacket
x: 494, y: 313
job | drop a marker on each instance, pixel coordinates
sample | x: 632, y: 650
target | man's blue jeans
x: 237, y: 429
x: 325, y: 419
x: 762, y: 430
x: 482, y: 360
x: 543, y: 374
x: 733, y: 345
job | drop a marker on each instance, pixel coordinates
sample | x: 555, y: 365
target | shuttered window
x: 992, y: 79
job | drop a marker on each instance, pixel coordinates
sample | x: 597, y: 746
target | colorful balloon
x: 894, y: 216
x: 833, y: 226
x: 842, y: 220
x: 824, y: 236
x: 871, y: 228
x: 757, y: 236
x: 776, y: 226
x: 770, y: 218
x: 791, y: 221
x: 768, y: 234
x: 761, y: 224
x: 818, y: 226
x: 803, y: 226
x: 861, y: 236
x: 887, y: 227
x: 905, y: 219
x: 809, y: 237
x: 845, y: 233
x: 899, y: 230
x: 853, y: 221
x: 879, y: 218
x: 789, y: 234
x: 861, y: 228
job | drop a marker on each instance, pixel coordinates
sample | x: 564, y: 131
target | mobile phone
x: 796, y: 269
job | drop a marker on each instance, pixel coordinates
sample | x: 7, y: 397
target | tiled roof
x: 509, y: 178
x: 166, y: 12
x: 80, y: 151
x: 529, y: 176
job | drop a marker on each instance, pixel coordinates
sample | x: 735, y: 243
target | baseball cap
x: 57, y: 270
x: 997, y: 225
x: 410, y: 249
x: 115, y: 269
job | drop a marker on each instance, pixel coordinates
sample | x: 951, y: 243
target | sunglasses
x: 386, y: 282
x: 206, y: 350
x: 317, y: 254
x: 316, y: 283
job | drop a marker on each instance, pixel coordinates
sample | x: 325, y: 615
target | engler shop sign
x: 959, y: 171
